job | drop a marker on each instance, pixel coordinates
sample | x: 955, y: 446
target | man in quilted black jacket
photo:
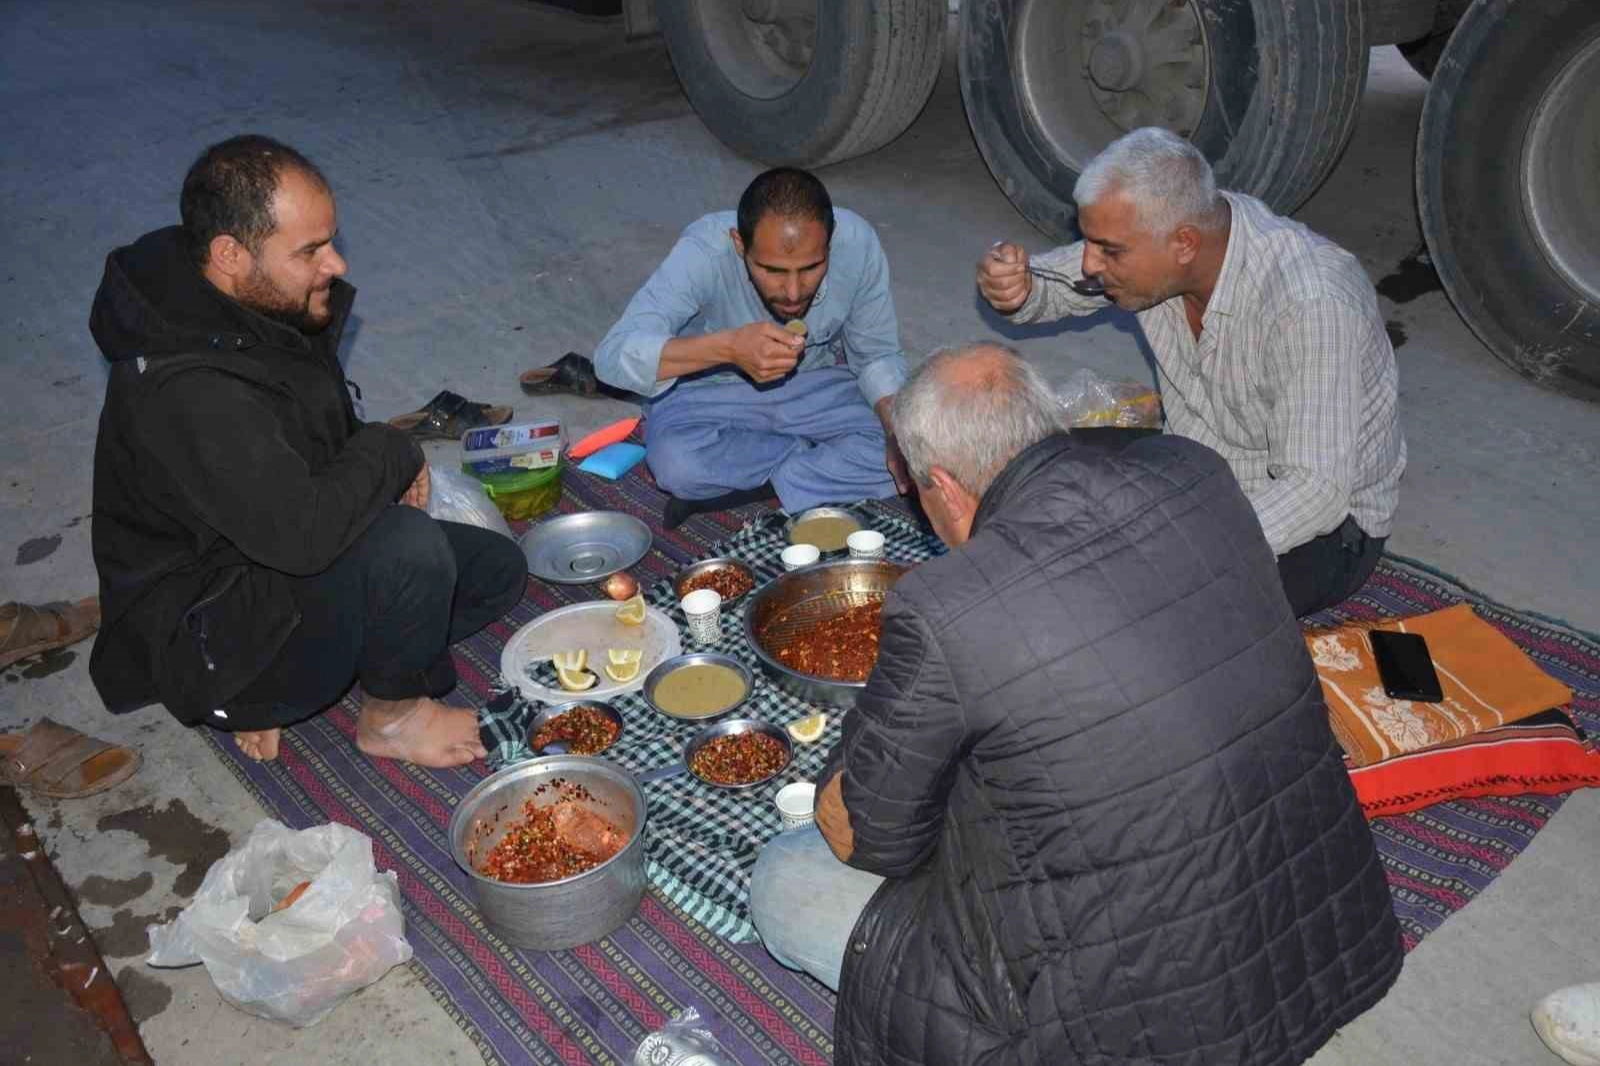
x: 1090, y: 805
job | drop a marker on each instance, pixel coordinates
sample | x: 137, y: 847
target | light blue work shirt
x: 703, y: 287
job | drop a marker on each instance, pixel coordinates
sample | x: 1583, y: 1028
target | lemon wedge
x: 623, y: 663
x: 631, y: 613
x: 576, y: 680
x: 570, y: 660
x: 808, y: 730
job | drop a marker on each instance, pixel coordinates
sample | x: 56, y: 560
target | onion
x: 619, y: 586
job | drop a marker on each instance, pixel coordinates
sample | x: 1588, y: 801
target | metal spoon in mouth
x: 1083, y: 287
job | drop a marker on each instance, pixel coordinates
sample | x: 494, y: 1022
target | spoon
x: 1083, y: 287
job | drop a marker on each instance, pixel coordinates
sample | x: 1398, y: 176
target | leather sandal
x: 35, y: 630
x: 447, y: 416
x: 57, y: 761
x: 572, y: 373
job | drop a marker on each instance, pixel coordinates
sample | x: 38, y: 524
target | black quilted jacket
x: 1095, y: 765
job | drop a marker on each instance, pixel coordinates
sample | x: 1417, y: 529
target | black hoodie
x: 229, y: 461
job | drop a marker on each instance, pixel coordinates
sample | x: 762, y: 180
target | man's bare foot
x: 420, y: 731
x: 261, y: 744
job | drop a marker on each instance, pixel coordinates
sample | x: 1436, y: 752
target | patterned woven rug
x: 595, y: 1003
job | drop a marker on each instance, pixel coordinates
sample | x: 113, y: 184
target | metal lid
x: 576, y: 549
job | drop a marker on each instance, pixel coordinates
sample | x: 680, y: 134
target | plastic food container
x: 522, y: 494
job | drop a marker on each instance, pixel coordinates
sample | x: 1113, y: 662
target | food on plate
x: 843, y: 647
x: 797, y: 326
x: 699, y: 690
x: 622, y: 664
x: 294, y: 895
x: 727, y: 581
x: 552, y: 842
x: 827, y: 532
x: 739, y: 758
x: 621, y: 586
x: 808, y: 730
x: 631, y: 613
x: 585, y: 731
x: 572, y: 670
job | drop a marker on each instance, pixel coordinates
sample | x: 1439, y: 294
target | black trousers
x: 385, y: 613
x: 1328, y: 570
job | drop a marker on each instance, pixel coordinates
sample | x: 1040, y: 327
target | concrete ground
x: 506, y: 177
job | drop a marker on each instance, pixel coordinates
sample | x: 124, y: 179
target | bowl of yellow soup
x: 825, y: 527
x: 698, y: 687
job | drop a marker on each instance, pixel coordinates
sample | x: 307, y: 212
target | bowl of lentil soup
x: 541, y: 887
x: 738, y: 753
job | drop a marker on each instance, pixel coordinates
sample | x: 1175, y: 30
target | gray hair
x: 971, y: 410
x: 1165, y: 177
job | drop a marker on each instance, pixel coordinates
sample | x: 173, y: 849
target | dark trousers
x: 1327, y: 571
x: 385, y: 613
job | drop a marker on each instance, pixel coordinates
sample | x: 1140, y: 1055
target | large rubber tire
x: 1285, y: 87
x: 1423, y: 54
x: 1507, y: 158
x: 873, y: 67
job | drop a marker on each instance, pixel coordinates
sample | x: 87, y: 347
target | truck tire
x: 1423, y: 54
x: 1269, y: 91
x: 777, y: 86
x: 1506, y: 161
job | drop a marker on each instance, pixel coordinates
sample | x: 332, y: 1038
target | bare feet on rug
x: 420, y: 731
x: 261, y: 744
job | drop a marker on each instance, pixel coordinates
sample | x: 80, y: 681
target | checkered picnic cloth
x: 703, y: 841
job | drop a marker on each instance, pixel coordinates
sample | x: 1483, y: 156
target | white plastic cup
x: 865, y: 544
x: 797, y: 555
x: 795, y: 803
x: 702, y: 608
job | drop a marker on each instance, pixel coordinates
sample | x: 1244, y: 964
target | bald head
x: 970, y: 411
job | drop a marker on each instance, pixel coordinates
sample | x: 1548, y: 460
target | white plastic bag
x: 454, y: 496
x: 681, y: 1043
x: 295, y: 965
x: 1092, y: 400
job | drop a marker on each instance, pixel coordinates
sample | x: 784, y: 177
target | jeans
x: 1328, y: 570
x: 805, y: 903
x: 386, y: 613
x: 813, y: 436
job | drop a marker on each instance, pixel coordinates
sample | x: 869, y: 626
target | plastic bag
x: 294, y: 965
x: 454, y: 496
x: 681, y: 1043
x: 1092, y: 400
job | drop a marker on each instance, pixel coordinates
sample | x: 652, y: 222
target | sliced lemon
x: 808, y: 730
x: 623, y: 663
x: 571, y: 660
x: 576, y: 680
x: 631, y: 613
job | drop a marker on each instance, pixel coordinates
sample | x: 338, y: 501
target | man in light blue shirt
x: 767, y: 350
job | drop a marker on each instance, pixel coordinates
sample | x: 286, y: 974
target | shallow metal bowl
x: 811, y: 594
x: 550, y: 714
x: 554, y: 914
x: 821, y: 512
x: 706, y: 566
x: 731, y: 727
x: 576, y: 549
x: 667, y: 666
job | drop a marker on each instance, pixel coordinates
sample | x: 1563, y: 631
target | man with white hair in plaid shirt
x: 1267, y: 339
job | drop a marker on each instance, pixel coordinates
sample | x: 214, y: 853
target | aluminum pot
x: 555, y: 914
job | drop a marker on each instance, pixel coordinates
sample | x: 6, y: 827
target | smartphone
x: 1405, y: 667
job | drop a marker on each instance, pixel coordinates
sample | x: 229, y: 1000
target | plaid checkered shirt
x: 1292, y: 379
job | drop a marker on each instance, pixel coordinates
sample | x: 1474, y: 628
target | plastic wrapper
x: 1092, y: 400
x: 681, y: 1042
x: 296, y: 964
x: 455, y: 496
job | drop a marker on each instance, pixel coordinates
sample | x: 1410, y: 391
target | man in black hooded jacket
x: 1090, y: 803
x: 258, y: 546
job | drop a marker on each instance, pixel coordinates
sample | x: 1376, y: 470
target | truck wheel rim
x: 1090, y: 71
x: 764, y: 47
x: 1560, y: 158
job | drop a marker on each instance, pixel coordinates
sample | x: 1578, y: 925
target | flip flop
x: 573, y: 374
x: 57, y: 761
x: 44, y: 628
x: 448, y: 415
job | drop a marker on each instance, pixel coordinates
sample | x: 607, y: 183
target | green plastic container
x: 523, y: 494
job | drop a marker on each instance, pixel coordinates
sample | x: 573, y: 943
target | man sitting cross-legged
x: 259, y: 547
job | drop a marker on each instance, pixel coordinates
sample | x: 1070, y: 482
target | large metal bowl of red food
x: 591, y: 805
x: 815, y: 630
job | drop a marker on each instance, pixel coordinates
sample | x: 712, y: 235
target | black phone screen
x: 1405, y: 667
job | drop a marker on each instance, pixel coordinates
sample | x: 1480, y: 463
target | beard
x: 263, y: 296
x: 779, y: 316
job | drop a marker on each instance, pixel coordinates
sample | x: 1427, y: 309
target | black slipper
x: 447, y: 416
x: 572, y: 373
